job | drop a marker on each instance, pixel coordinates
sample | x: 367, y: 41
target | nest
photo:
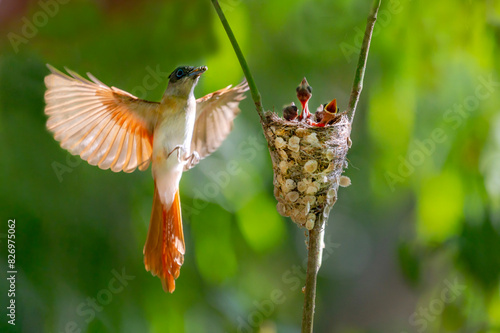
x: 308, y: 162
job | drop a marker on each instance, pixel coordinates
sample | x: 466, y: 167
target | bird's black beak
x: 198, y: 71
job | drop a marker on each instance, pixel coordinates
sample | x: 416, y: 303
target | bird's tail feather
x: 164, y: 249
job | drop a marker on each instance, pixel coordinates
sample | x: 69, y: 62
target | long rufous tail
x: 164, y: 249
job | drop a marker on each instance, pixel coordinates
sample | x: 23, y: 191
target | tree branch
x: 246, y: 70
x: 357, y: 85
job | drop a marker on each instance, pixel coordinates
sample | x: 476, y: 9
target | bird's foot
x: 180, y: 151
x: 193, y: 159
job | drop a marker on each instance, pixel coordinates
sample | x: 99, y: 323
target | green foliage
x: 478, y: 240
x: 212, y: 235
x: 261, y: 228
x: 440, y: 207
x: 409, y: 262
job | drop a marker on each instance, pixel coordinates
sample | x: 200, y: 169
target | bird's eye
x: 179, y: 73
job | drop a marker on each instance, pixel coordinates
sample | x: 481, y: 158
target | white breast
x: 173, y: 129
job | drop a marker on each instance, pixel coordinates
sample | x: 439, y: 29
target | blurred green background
x: 413, y: 245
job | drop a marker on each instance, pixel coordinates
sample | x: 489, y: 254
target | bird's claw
x: 193, y: 159
x: 180, y: 150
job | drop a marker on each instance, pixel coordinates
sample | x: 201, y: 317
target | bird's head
x: 304, y: 91
x: 183, y: 80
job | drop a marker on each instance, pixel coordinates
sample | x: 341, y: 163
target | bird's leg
x: 192, y: 159
x: 180, y: 150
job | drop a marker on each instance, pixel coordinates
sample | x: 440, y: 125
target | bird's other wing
x: 106, y: 126
x: 215, y: 113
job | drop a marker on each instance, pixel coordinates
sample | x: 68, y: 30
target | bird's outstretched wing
x: 215, y: 113
x: 106, y: 126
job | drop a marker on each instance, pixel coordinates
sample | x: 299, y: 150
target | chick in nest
x: 327, y: 114
x: 290, y: 112
x: 304, y: 93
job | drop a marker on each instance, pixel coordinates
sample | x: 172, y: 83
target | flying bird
x: 113, y: 129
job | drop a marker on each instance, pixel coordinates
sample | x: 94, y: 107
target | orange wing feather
x: 106, y: 126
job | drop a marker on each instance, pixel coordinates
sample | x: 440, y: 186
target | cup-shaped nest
x: 308, y: 162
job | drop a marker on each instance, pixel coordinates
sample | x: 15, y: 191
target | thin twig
x: 314, y: 254
x: 316, y: 235
x: 246, y: 70
x: 357, y: 85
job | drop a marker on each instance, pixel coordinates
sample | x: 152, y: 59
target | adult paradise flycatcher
x: 113, y: 129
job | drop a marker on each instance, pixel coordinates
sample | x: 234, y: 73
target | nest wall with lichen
x: 308, y: 162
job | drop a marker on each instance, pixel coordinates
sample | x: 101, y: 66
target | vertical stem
x: 315, y: 243
x: 357, y: 85
x: 314, y: 255
x: 246, y: 70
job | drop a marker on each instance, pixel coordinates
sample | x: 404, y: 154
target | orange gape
x: 164, y: 249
